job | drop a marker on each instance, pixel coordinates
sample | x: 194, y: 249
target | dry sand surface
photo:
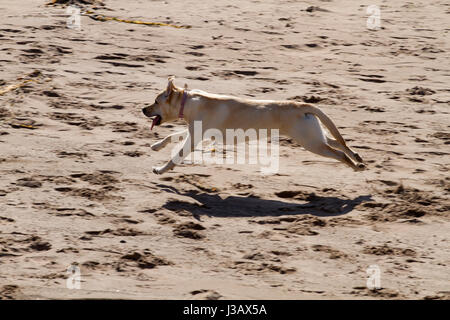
x: 76, y: 185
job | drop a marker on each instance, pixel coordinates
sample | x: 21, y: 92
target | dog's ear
x: 170, y: 86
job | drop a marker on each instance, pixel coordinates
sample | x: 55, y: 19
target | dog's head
x: 164, y: 108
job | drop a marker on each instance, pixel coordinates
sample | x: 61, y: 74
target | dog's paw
x: 360, y: 167
x: 156, y: 146
x: 157, y: 170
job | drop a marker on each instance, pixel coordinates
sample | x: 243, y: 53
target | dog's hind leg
x: 171, y: 137
x: 308, y: 132
x: 336, y: 145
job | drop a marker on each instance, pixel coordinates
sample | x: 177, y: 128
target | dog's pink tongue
x: 155, y: 119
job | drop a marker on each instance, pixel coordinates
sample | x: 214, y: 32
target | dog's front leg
x: 162, y: 143
x: 186, y: 149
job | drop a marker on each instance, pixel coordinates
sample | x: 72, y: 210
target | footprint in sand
x: 333, y: 253
x: 29, y: 183
x: 10, y: 292
x: 142, y: 260
x: 203, y: 294
x: 390, y: 251
x: 68, y: 154
x: 189, y: 230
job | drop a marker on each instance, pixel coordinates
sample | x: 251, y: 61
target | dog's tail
x: 326, y: 121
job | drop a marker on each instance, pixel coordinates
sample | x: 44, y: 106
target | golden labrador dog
x: 293, y: 119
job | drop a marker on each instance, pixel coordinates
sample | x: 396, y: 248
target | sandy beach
x: 77, y: 190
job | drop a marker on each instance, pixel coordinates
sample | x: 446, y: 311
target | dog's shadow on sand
x: 249, y: 206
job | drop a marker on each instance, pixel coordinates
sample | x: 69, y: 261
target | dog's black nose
x: 144, y: 110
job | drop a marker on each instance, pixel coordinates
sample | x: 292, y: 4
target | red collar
x: 183, y: 101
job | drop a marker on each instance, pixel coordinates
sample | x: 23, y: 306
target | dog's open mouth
x: 156, y: 121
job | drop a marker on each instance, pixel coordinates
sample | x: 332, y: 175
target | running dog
x: 297, y: 120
